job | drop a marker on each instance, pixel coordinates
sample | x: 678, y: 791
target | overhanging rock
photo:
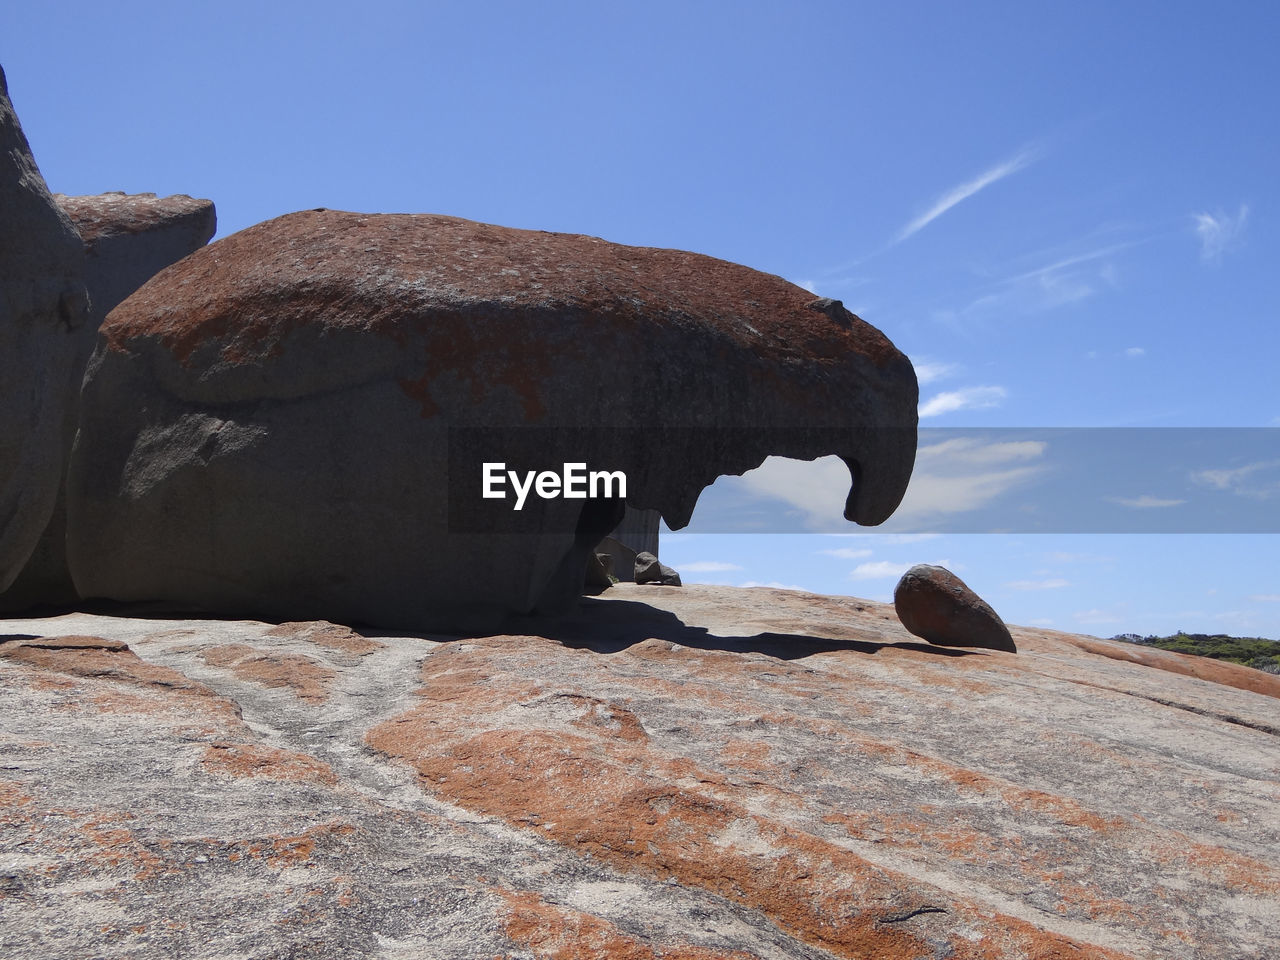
x: 290, y: 422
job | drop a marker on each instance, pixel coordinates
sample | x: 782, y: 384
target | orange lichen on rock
x: 326, y: 634
x: 111, y: 660
x: 561, y: 933
x: 256, y: 760
x: 308, y: 679
x: 638, y: 809
x: 1185, y: 664
x: 1236, y: 871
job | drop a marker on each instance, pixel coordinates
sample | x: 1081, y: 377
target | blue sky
x: 1065, y: 214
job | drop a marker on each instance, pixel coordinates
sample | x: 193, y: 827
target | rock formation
x: 709, y: 773
x: 128, y: 239
x: 43, y: 307
x: 648, y: 569
x: 933, y: 603
x: 292, y: 421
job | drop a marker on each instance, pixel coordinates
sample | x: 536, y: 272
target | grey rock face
x: 650, y: 570
x: 285, y: 424
x: 128, y: 239
x: 43, y: 308
x: 933, y: 603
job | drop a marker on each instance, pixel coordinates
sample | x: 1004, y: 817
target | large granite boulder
x: 292, y: 421
x: 933, y: 603
x: 128, y: 239
x: 43, y: 306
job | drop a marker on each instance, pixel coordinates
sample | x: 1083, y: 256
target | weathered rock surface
x: 649, y: 569
x: 701, y: 773
x: 128, y: 239
x: 933, y: 603
x: 269, y: 427
x: 43, y: 305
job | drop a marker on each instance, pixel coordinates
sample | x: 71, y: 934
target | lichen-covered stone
x: 271, y: 426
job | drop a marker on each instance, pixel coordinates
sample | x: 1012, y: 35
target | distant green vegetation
x: 1249, y: 651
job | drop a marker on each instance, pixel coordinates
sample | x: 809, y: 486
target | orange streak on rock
x: 308, y: 679
x: 1185, y: 664
x: 100, y: 659
x: 329, y: 635
x: 1236, y: 871
x: 255, y: 760
x: 582, y: 791
x: 561, y: 933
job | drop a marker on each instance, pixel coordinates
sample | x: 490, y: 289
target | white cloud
x: 707, y: 566
x: 967, y: 398
x: 966, y: 190
x: 1135, y: 352
x: 1053, y: 583
x: 927, y: 372
x: 807, y: 284
x: 1219, y: 232
x: 775, y: 585
x: 846, y: 553
x: 968, y: 450
x: 1265, y: 598
x: 964, y: 473
x: 1145, y: 502
x: 816, y: 487
x: 1241, y: 480
x: 880, y: 570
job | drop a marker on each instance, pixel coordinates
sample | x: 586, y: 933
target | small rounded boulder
x: 935, y: 604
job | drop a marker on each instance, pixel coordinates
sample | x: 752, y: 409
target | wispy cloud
x: 1265, y: 598
x: 881, y: 570
x: 1135, y: 352
x: 1245, y: 481
x: 1145, y: 502
x: 963, y: 474
x: 846, y: 553
x: 1053, y: 583
x: 775, y: 585
x: 1063, y: 263
x: 966, y: 190
x: 1061, y: 281
x: 708, y: 566
x: 968, y: 450
x: 1219, y: 232
x: 928, y: 371
x: 966, y: 398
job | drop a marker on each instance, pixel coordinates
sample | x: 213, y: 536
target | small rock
x: 650, y: 570
x: 933, y: 603
x: 599, y: 570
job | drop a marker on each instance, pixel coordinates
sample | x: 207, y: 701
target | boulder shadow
x: 611, y: 626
